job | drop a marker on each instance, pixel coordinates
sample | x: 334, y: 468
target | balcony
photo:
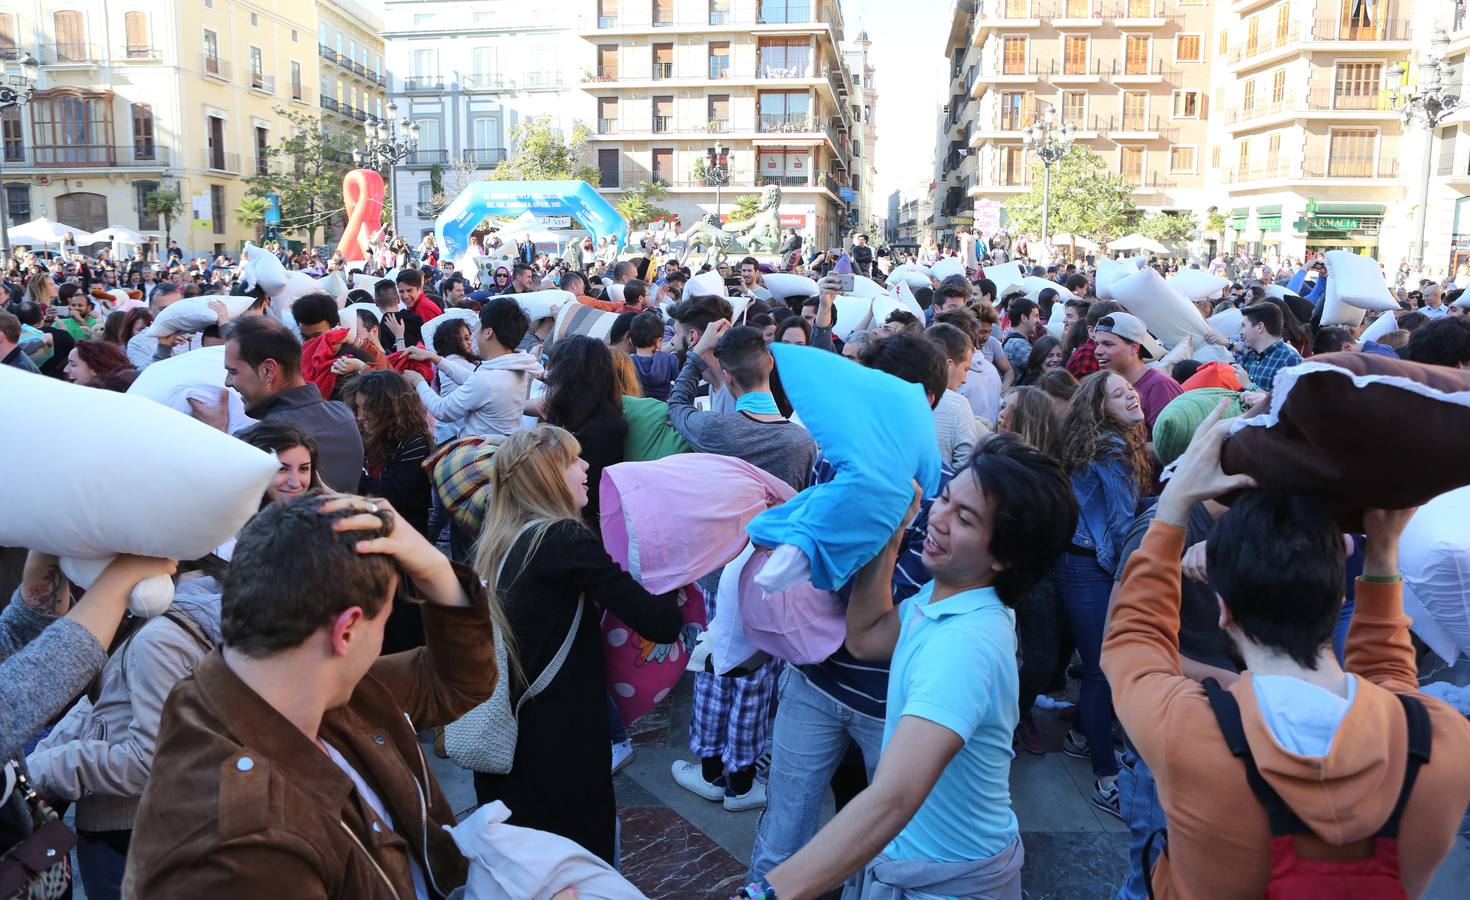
x: 481, y: 81
x: 1264, y: 48
x: 1136, y: 71
x: 260, y: 82
x: 662, y: 124
x: 663, y: 71
x: 485, y: 156
x: 427, y: 158
x: 214, y: 67
x: 1016, y: 72
x: 1319, y: 101
x: 424, y: 210
x: 1382, y: 31
x: 1260, y: 112
x: 1148, y: 182
x: 218, y: 161
x: 1246, y: 174
x: 70, y: 53
x: 326, y: 52
x: 330, y: 103
x: 1072, y: 14
x: 1010, y: 14
x: 423, y: 83
x: 1358, y: 169
x: 1138, y: 128
x: 607, y: 126
x: 699, y: 17
x: 1073, y: 72
x: 141, y: 53
x: 144, y: 155
x: 1139, y: 14
x: 540, y: 81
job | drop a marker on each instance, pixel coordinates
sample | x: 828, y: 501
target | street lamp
x: 1430, y: 102
x: 15, y: 90
x: 717, y: 171
x: 389, y: 142
x: 1050, y: 144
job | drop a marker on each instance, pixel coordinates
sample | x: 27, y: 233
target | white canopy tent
x: 44, y: 231
x: 117, y: 234
x: 1136, y: 241
x: 1071, y: 240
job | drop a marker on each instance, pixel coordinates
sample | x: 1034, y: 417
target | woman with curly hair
x: 91, y: 362
x: 395, y: 439
x: 1103, y: 449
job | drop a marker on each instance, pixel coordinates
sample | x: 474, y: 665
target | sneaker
x: 755, y: 798
x: 1031, y: 740
x: 1106, y: 798
x: 690, y: 776
x: 763, y: 765
x: 622, y: 754
x: 1075, y: 745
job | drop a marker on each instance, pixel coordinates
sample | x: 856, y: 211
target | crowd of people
x: 434, y: 530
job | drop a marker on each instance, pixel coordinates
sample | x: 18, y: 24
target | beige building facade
x: 353, y: 85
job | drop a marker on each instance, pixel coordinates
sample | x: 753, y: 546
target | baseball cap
x: 1130, y: 328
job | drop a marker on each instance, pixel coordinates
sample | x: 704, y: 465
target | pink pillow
x: 640, y: 673
x: 800, y: 624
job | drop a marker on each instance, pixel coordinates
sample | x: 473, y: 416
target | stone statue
x: 761, y: 233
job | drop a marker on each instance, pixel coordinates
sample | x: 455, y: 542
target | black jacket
x: 339, y: 444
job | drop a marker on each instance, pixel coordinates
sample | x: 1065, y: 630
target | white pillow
x: 298, y: 285
x: 614, y: 292
x: 188, y: 488
x: 334, y: 284
x: 198, y: 374
x: 783, y: 285
x: 915, y: 276
x: 706, y: 284
x: 361, y: 282
x: 543, y: 304
x: 1109, y: 273
x: 1434, y: 557
x: 865, y: 287
x: 1380, y: 326
x: 852, y: 313
x: 1033, y: 285
x: 192, y: 314
x: 260, y: 268
x: 907, y: 300
x: 1196, y: 284
x: 1166, y: 314
x: 1228, y: 322
x: 1137, y: 261
x: 1057, y: 323
x: 431, y: 327
x: 1357, y: 281
x: 1336, y: 312
x: 1007, y: 277
x: 1178, y: 353
x: 946, y: 267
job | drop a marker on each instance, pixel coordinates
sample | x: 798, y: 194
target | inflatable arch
x: 577, y: 199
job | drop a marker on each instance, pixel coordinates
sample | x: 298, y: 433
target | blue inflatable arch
x: 577, y: 199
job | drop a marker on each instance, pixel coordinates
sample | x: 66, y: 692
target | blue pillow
x: 877, y: 431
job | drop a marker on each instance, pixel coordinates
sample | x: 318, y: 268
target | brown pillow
x: 1334, y: 425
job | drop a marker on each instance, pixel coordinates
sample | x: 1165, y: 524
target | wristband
x: 756, y: 890
x: 1381, y: 579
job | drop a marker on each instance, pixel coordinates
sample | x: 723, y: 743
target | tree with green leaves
x: 639, y: 204
x: 540, y: 152
x: 1087, y: 199
x: 251, y: 214
x: 165, y: 205
x: 1174, y: 229
x: 305, y: 170
x: 1215, y: 222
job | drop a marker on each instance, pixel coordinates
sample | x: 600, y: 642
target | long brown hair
x: 1033, y: 418
x: 391, y: 413
x: 1089, y: 434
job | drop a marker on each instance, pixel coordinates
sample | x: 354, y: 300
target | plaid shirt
x: 1084, y: 360
x: 1262, y: 367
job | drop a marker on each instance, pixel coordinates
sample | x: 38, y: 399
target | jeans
x: 810, y: 738
x: 1138, y: 799
x: 616, y: 729
x: 100, y: 866
x: 1340, y: 631
x: 1085, y: 589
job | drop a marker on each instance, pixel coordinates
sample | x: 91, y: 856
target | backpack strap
x: 1227, y: 714
x: 1421, y: 736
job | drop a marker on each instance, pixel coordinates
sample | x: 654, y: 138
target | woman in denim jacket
x: 1104, y: 449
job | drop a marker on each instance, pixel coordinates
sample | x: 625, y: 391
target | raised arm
x: 872, y: 619
x: 1378, y: 644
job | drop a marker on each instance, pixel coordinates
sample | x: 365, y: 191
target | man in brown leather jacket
x: 288, y: 764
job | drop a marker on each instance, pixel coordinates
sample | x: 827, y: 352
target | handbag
x: 39, y: 866
x: 484, y: 739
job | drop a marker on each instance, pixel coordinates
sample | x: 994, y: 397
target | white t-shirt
x: 371, y: 798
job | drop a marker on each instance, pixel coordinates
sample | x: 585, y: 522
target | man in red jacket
x: 411, y: 292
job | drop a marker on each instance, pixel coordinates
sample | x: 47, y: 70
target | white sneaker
x: 690, y: 777
x: 755, y: 798
x: 622, y: 754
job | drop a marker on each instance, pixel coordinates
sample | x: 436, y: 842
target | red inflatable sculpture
x: 362, y: 195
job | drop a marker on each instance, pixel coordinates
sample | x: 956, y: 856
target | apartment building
x: 132, y: 97
x: 467, y: 73
x: 354, y: 83
x: 1448, y: 231
x: 669, y: 80
x: 866, y: 211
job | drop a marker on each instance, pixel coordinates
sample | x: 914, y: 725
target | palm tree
x: 165, y: 205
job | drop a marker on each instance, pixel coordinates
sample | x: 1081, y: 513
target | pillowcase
x: 544, y: 304
x: 468, y: 316
x: 192, y: 315
x: 1330, y: 423
x: 915, y: 276
x: 1213, y: 375
x: 1033, y: 285
x: 1168, y: 315
x: 1196, y: 284
x: 800, y: 624
x: 1434, y: 559
x: 1357, y: 281
x: 640, y: 673
x: 1181, y: 417
x: 198, y: 374
x: 950, y: 265
x: 866, y: 288
x: 259, y: 268
x: 1007, y: 278
x: 460, y: 472
x: 347, y: 317
x: 852, y: 314
x: 1110, y: 272
x: 335, y: 285
x: 1380, y: 326
x: 1336, y: 312
x: 783, y: 285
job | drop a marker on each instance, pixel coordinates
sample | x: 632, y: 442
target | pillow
x: 1056, y: 325
x: 188, y: 487
x: 1331, y: 422
x: 1213, y: 375
x: 1196, y: 284
x: 914, y: 276
x: 640, y: 673
x: 729, y: 648
x: 614, y: 293
x: 852, y: 314
x: 192, y: 314
x: 1336, y: 312
x: 347, y: 317
x: 1178, y: 353
x: 946, y: 267
x: 468, y: 316
x: 1181, y: 417
x: 1033, y: 285
x: 361, y: 282
x: 1380, y: 326
x: 579, y: 318
x: 782, y: 285
x: 705, y: 284
x: 544, y: 304
x: 335, y: 285
x: 459, y: 471
x: 878, y: 432
x: 510, y: 861
x: 800, y: 624
x: 1168, y: 315
x: 665, y: 546
x: 1434, y: 559
x: 1007, y: 277
x: 198, y: 374
x: 1109, y: 272
x: 866, y: 288
x: 1357, y: 281
x: 1228, y: 322
x: 260, y: 268
x: 298, y: 285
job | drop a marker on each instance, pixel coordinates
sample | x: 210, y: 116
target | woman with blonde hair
x: 554, y: 580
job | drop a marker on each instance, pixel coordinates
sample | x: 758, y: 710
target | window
x: 431, y: 136
x: 1130, y: 164
x: 785, y: 167
x: 1074, y: 108
x: 607, y: 13
x: 784, y: 110
x: 1252, y: 35
x: 423, y: 18
x: 143, y: 133
x: 1074, y: 58
x: 1244, y: 161
x: 777, y: 12
x: 296, y: 92
x: 135, y: 30
x: 1079, y: 9
x: 426, y: 199
x: 1013, y: 56
x: 71, y: 36
x: 18, y: 203
x: 211, y: 53
x: 425, y: 66
x: 1224, y: 42
x: 339, y: 43
x: 7, y: 36
x: 1188, y: 48
x: 1140, y: 9
x: 257, y: 68
x: 1135, y: 54
x: 1186, y: 104
x: 719, y: 59
x: 71, y: 126
x: 1135, y: 110
x: 1351, y: 153
x: 785, y: 58
x: 1273, y: 152
x: 1355, y: 85
x: 1359, y: 20
x: 663, y: 61
x: 1248, y: 96
x: 217, y: 207
x: 607, y: 62
x: 1181, y: 159
x: 485, y: 132
x: 1012, y: 167
x: 141, y: 190
x: 295, y: 36
x: 663, y: 13
x: 1013, y: 111
x: 719, y: 112
x: 215, y: 130
x: 719, y: 12
x: 663, y: 114
x: 1278, y: 88
x: 486, y: 67
x: 1283, y: 23
x: 607, y: 167
x: 13, y: 134
x: 1215, y: 157
x: 663, y: 166
x: 607, y: 115
x: 262, y: 151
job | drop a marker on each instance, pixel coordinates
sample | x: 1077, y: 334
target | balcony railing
x: 485, y: 156
x: 607, y: 126
x: 1124, y: 68
x: 1382, y: 30
x: 663, y: 71
x: 214, y: 66
x: 141, y: 52
x: 427, y: 158
x: 1265, y: 43
x: 1014, y: 9
x: 481, y: 81
x: 1259, y: 109
x: 330, y: 103
x: 605, y: 74
x: 143, y: 155
x: 1330, y: 167
x: 662, y: 124
x: 218, y: 161
x: 1325, y: 100
x: 1138, y: 124
x: 70, y: 53
x: 1078, y: 9
x: 540, y: 80
x: 260, y: 82
x: 750, y: 12
x: 326, y: 52
x: 1238, y: 174
x: 424, y: 83
x: 1137, y: 9
x: 1061, y: 68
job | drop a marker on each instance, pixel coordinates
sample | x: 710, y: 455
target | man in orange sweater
x: 1332, y: 744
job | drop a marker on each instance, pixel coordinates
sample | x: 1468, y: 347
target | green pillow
x: 1177, y: 422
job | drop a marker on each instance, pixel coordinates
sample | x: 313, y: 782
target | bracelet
x: 756, y: 890
x: 1381, y: 579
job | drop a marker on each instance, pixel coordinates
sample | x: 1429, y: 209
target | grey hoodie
x: 490, y: 400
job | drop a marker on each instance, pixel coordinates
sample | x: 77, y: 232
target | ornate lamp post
x: 1429, y: 102
x: 389, y: 142
x: 717, y: 171
x: 1050, y: 144
x: 15, y: 90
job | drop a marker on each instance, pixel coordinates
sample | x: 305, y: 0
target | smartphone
x: 846, y: 278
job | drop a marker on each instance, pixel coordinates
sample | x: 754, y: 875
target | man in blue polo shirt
x: 937, y: 818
